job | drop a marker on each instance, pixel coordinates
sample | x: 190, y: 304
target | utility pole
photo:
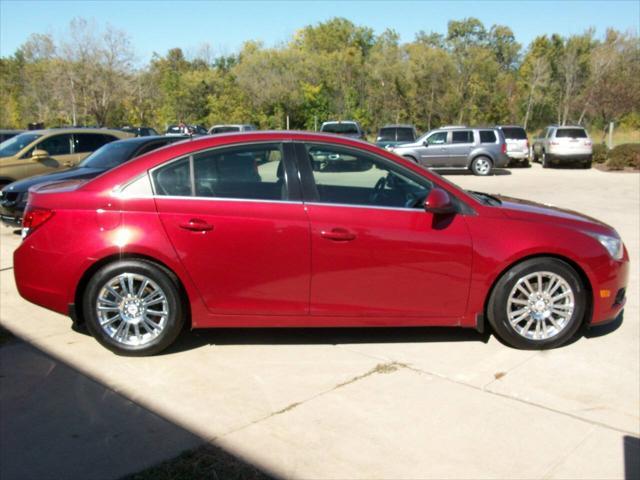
x: 287, y: 122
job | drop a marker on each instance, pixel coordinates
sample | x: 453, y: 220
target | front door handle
x: 197, y: 225
x: 338, y: 235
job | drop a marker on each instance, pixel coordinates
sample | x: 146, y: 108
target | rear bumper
x: 570, y: 157
x: 518, y: 155
x: 502, y: 160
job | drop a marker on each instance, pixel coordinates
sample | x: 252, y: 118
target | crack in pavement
x: 503, y: 395
x: 381, y: 368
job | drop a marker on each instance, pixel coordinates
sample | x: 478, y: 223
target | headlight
x: 613, y: 245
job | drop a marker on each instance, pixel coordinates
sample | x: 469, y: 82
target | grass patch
x: 205, y: 462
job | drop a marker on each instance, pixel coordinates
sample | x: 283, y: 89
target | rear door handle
x: 197, y: 225
x: 338, y: 235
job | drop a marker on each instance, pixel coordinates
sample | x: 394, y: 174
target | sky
x: 158, y: 25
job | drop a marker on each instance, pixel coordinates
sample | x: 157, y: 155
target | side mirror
x: 40, y: 154
x: 439, y: 202
x: 425, y: 143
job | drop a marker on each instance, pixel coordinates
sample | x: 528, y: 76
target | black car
x: 13, y: 198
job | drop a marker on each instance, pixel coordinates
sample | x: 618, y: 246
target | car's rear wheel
x: 481, y: 166
x: 537, y: 304
x: 134, y: 307
x: 545, y: 160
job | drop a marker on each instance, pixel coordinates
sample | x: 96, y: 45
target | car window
x: 462, y: 136
x: 340, y: 128
x: 514, y: 133
x: 174, y: 179
x: 344, y: 176
x: 387, y: 134
x: 13, y: 145
x: 225, y: 129
x: 549, y: 131
x: 406, y: 135
x: 487, y: 136
x: 437, y: 138
x: 56, y: 145
x: 254, y: 172
x: 90, y: 142
x: 571, y: 133
x: 110, y: 155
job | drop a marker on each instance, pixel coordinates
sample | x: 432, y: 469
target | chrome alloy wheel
x: 483, y: 166
x: 540, y: 305
x: 132, y: 309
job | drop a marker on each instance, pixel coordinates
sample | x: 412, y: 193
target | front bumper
x: 609, y: 292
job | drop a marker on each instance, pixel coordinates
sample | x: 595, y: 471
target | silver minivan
x: 463, y: 148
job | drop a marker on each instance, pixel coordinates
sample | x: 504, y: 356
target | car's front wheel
x: 537, y: 304
x: 133, y: 307
x: 481, y: 166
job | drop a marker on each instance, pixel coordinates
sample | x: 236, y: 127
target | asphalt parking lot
x: 353, y: 403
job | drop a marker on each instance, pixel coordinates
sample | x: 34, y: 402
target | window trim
x: 293, y: 187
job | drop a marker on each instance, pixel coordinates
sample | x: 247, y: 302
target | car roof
x: 149, y: 139
x: 339, y: 121
x: 398, y: 125
x: 49, y: 131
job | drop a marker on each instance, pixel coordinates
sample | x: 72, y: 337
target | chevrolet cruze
x: 282, y: 229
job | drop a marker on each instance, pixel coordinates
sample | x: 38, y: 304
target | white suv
x: 561, y: 145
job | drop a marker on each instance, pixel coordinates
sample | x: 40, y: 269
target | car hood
x: 519, y: 209
x: 72, y: 173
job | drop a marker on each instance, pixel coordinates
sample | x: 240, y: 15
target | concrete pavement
x: 391, y: 403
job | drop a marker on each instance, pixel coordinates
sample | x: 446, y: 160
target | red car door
x: 235, y: 218
x: 375, y: 252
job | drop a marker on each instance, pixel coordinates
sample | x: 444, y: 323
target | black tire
x: 586, y: 165
x: 167, y: 283
x: 545, y: 161
x: 498, y: 303
x: 478, y: 166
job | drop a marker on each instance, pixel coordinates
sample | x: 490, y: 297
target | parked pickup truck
x: 563, y: 145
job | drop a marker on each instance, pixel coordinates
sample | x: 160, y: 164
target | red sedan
x: 282, y: 229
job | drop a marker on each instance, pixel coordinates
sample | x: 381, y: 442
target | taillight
x: 504, y: 147
x: 33, y: 218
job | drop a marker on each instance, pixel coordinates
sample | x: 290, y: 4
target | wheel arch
x: 578, y: 269
x: 78, y: 314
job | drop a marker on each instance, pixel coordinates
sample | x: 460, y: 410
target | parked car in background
x: 13, y: 197
x: 347, y: 128
x: 181, y: 129
x: 517, y: 143
x: 392, y: 135
x: 246, y: 127
x: 223, y: 231
x: 464, y: 148
x: 44, y: 151
x: 7, y: 134
x: 139, y: 131
x: 562, y: 145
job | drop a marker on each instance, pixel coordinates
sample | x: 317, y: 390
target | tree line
x: 331, y: 70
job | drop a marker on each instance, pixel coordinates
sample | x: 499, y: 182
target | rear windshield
x: 571, y: 133
x: 399, y: 134
x: 111, y: 155
x: 225, y: 129
x: 514, y: 133
x: 342, y: 128
x: 12, y: 146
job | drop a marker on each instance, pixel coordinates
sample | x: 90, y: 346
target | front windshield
x: 110, y: 155
x: 10, y: 147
